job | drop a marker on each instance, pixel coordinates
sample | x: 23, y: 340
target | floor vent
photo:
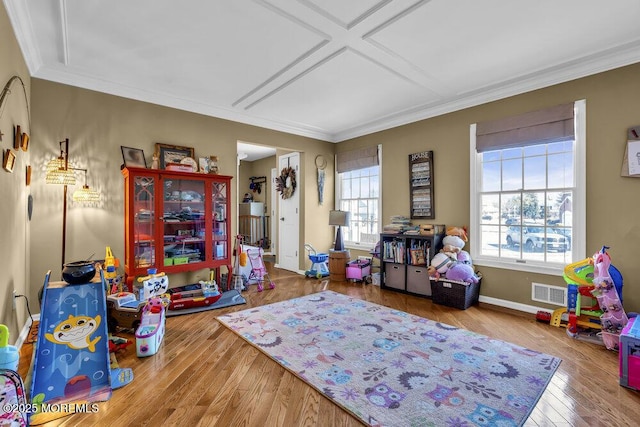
x: 549, y: 294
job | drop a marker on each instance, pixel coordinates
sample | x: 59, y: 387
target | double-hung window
x: 358, y: 185
x: 528, y: 190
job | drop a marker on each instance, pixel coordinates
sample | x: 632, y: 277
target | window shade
x: 536, y: 127
x: 357, y: 159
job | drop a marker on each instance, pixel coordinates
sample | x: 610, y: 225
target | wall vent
x: 549, y: 294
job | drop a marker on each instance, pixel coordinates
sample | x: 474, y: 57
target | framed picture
x: 9, y: 160
x: 133, y: 157
x: 421, y: 185
x: 172, y: 153
x: 25, y: 142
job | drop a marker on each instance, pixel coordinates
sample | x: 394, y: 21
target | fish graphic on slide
x: 75, y: 332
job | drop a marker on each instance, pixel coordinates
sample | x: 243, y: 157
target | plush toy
x: 459, y: 232
x: 464, y: 258
x: 451, y: 251
x: 454, y: 241
x: 461, y: 273
x: 440, y: 264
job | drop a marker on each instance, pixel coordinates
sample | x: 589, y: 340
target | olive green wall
x: 14, y: 225
x: 613, y: 105
x: 97, y: 124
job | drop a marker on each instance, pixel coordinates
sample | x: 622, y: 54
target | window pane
x: 535, y: 150
x: 512, y: 175
x: 489, y: 206
x: 491, y: 176
x: 535, y: 172
x: 561, y: 170
x: 510, y: 208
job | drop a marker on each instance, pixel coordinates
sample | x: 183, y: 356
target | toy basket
x: 318, y: 258
x: 452, y: 293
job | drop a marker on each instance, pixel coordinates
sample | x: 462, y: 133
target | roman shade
x: 357, y: 159
x: 536, y: 127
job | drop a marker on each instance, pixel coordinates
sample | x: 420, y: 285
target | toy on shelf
x: 150, y: 333
x: 198, y: 295
x: 258, y: 270
x: 319, y: 268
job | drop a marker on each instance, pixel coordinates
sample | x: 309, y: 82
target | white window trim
x: 578, y: 244
x: 356, y: 245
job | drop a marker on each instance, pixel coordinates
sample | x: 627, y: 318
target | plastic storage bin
x: 629, y: 355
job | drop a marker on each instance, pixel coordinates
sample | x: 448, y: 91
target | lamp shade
x: 340, y: 218
x: 86, y: 195
x: 58, y: 173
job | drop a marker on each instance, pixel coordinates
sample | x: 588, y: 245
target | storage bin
x: 394, y: 275
x: 179, y: 260
x: 168, y: 261
x: 418, y: 280
x: 629, y: 357
x: 451, y: 293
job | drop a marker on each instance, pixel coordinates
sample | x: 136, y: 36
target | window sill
x: 519, y: 265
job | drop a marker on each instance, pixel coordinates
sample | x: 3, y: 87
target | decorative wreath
x: 286, y: 182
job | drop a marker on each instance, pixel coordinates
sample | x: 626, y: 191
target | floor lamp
x: 339, y: 219
x: 59, y: 172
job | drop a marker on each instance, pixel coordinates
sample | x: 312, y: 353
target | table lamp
x: 341, y: 219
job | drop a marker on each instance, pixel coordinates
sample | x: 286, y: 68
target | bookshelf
x: 405, y: 259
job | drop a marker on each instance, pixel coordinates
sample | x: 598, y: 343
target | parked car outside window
x: 534, y: 239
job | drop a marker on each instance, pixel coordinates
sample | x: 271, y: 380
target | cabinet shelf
x: 405, y: 260
x: 204, y: 238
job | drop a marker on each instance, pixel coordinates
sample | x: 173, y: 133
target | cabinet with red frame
x: 176, y: 221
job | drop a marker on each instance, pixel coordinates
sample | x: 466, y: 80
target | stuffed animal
x: 454, y: 241
x: 440, y: 264
x: 461, y: 273
x: 459, y: 232
x: 464, y: 258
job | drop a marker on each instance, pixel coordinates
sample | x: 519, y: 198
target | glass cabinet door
x: 220, y: 237
x: 183, y: 221
x: 144, y: 221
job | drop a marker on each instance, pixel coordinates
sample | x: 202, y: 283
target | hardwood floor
x: 206, y: 375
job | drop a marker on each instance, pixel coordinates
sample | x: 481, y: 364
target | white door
x: 273, y: 244
x: 289, y: 218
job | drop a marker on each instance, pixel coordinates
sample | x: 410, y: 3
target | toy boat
x: 200, y: 295
x: 150, y: 333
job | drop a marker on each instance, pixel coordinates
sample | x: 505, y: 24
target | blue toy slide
x: 72, y: 363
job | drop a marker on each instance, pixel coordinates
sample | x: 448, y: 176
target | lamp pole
x: 64, y: 202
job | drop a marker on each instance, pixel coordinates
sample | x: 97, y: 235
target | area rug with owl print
x: 391, y: 368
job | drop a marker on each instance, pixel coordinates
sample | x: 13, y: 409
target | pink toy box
x: 151, y: 330
x: 358, y: 269
x: 630, y: 355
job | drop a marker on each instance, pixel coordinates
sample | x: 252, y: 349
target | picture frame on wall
x: 421, y: 185
x: 172, y: 154
x: 9, y: 160
x: 133, y: 157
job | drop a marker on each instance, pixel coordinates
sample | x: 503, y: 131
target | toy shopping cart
x: 258, y: 269
x: 319, y: 266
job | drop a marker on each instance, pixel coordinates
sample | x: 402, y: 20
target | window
x: 358, y: 186
x: 528, y: 190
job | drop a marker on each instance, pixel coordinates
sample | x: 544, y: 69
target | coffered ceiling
x: 328, y: 69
